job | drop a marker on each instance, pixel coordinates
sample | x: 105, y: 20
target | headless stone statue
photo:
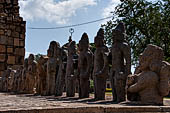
x: 84, y: 66
x: 70, y: 71
x: 31, y: 74
x: 52, y: 67
x: 41, y: 76
x: 121, y: 63
x: 100, y: 72
x: 153, y: 81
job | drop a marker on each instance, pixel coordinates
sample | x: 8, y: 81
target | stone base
x: 11, y: 103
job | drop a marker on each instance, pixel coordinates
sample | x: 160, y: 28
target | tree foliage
x: 146, y: 23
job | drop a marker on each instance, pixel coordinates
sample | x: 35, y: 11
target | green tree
x: 146, y: 23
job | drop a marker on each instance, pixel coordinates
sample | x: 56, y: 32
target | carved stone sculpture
x: 24, y: 78
x: 100, y: 72
x: 70, y: 70
x: 5, y: 79
x: 121, y: 63
x: 153, y: 81
x: 52, y: 67
x: 31, y: 74
x: 41, y: 76
x: 84, y: 66
x: 60, y: 82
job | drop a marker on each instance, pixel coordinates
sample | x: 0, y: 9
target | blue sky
x: 52, y: 13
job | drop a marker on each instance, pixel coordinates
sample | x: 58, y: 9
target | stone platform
x: 22, y: 103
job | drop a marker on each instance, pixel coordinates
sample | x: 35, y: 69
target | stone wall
x: 12, y: 35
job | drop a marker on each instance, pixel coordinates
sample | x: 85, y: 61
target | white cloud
x: 52, y: 11
x: 110, y: 8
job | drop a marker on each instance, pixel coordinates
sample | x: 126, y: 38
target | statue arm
x: 138, y: 86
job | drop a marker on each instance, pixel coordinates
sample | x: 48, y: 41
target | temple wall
x: 12, y: 35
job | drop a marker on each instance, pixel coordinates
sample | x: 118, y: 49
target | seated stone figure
x: 152, y: 82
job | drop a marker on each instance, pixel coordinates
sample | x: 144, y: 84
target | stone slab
x: 24, y: 103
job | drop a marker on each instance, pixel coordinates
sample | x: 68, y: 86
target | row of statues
x: 73, y: 65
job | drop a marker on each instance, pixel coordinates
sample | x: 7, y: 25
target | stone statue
x: 41, y: 76
x: 60, y: 82
x: 52, y: 66
x: 19, y: 81
x: 101, y: 66
x: 152, y: 82
x: 121, y: 63
x: 31, y: 74
x: 70, y: 70
x: 5, y: 79
x: 24, y: 78
x: 84, y: 66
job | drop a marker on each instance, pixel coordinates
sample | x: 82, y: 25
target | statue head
x: 53, y: 49
x: 84, y: 42
x: 99, y: 39
x: 31, y: 59
x: 118, y: 34
x: 72, y: 47
x: 151, y: 58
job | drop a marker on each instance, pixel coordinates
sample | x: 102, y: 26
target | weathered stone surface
x: 84, y: 66
x: 12, y: 32
x: 11, y: 60
x: 2, y: 66
x: 2, y: 32
x: 40, y: 104
x: 153, y: 78
x: 3, y: 40
x: 101, y: 66
x: 2, y: 57
x: 54, y: 54
x: 31, y: 74
x: 121, y: 63
x: 9, y: 50
x: 16, y: 41
x: 70, y: 70
x: 2, y: 49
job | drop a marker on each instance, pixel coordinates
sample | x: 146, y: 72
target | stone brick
x: 11, y: 60
x: 21, y: 43
x: 1, y: 72
x: 20, y: 51
x: 15, y: 34
x: 3, y: 40
x: 2, y: 1
x: 16, y: 41
x: 2, y: 66
x: 9, y: 33
x: 22, y: 36
x: 2, y: 49
x: 2, y: 57
x: 9, y: 50
x: 2, y: 32
x: 19, y: 60
x: 10, y: 41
